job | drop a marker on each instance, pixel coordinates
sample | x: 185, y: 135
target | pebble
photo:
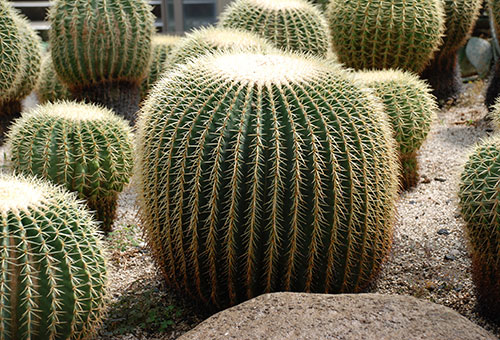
x: 440, y: 179
x: 443, y: 231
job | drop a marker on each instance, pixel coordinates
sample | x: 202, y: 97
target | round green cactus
x: 49, y: 87
x: 411, y: 106
x: 480, y: 207
x: 52, y: 267
x: 162, y: 46
x: 493, y: 90
x: 86, y: 148
x: 102, y: 54
x: 294, y: 25
x: 264, y: 173
x: 443, y: 73
x: 213, y: 39
x: 398, y: 34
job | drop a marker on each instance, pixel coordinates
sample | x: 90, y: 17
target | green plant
x: 495, y: 114
x: 494, y: 86
x: 294, y: 25
x: 162, y: 46
x: 53, y: 269
x: 212, y: 39
x: 479, y: 203
x: 86, y: 148
x: 102, y: 53
x: 262, y: 173
x: 443, y: 73
x: 377, y: 34
x: 410, y: 106
x: 49, y: 87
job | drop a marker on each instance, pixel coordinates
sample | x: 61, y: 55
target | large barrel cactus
x: 162, y: 46
x: 263, y: 173
x: 480, y: 206
x: 382, y: 34
x: 410, y: 106
x: 493, y: 90
x: 86, y: 148
x: 101, y: 50
x: 20, y: 58
x: 294, y: 25
x: 49, y: 87
x: 212, y: 39
x: 443, y: 73
x: 52, y: 267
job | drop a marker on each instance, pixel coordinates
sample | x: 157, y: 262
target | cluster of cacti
x: 49, y: 87
x: 410, y: 107
x: 294, y: 25
x: 493, y: 90
x: 376, y: 34
x: 20, y: 55
x: 262, y: 173
x: 86, y: 148
x: 206, y: 40
x: 53, y: 272
x: 443, y: 73
x: 102, y: 54
x: 162, y: 45
x: 480, y: 206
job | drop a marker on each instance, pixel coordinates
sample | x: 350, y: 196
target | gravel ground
x: 429, y: 259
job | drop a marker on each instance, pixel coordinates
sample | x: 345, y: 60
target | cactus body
x: 162, y: 46
x: 103, y: 52
x: 377, y: 34
x: 443, y: 73
x: 53, y: 272
x: 49, y: 87
x: 263, y: 173
x: 493, y: 91
x: 410, y: 107
x: 83, y: 147
x: 206, y: 40
x: 479, y: 203
x: 294, y: 25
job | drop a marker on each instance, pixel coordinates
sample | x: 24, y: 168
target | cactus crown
x: 398, y: 34
x: 265, y: 172
x: 52, y: 266
x: 104, y: 41
x: 212, y: 39
x: 295, y: 25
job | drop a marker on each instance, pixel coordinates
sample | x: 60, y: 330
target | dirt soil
x: 429, y: 259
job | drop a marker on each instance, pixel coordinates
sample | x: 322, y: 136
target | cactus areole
x: 263, y: 173
x: 53, y: 272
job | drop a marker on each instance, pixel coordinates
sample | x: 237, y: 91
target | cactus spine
x: 493, y: 91
x: 443, y: 73
x: 81, y: 146
x: 49, y: 87
x: 264, y: 173
x: 480, y: 207
x: 294, y: 25
x: 103, y: 53
x: 53, y: 272
x: 213, y: 39
x: 410, y: 106
x: 376, y: 34
x: 162, y: 46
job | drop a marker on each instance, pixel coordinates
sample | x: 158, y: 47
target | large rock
x: 281, y: 316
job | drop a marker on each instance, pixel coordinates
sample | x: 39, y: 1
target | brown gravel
x: 423, y: 263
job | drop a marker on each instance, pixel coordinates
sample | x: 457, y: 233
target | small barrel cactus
x: 102, y: 54
x: 410, y: 106
x: 294, y: 25
x: 86, y: 148
x: 493, y: 90
x: 480, y: 206
x: 383, y: 34
x: 49, y: 87
x: 52, y: 267
x: 263, y: 173
x: 162, y: 46
x: 443, y: 73
x: 212, y: 39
